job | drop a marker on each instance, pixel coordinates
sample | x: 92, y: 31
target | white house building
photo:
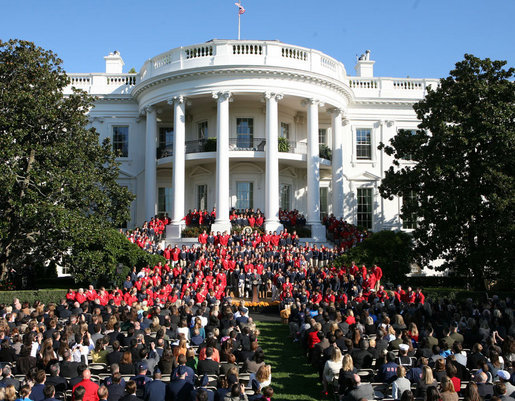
x: 201, y: 127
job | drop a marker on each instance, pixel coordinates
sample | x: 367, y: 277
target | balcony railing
x: 247, y: 143
x: 235, y: 144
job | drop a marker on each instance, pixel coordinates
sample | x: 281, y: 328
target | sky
x: 415, y: 38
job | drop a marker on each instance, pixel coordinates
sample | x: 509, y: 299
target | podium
x: 255, y: 297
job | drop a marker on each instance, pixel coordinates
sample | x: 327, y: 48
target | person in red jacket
x: 378, y: 272
x: 419, y: 297
x: 90, y: 387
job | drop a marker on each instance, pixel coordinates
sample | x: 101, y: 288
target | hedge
x: 46, y: 296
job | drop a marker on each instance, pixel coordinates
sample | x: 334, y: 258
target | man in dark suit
x: 360, y: 390
x: 8, y: 378
x: 208, y: 366
x: 361, y: 357
x: 180, y: 388
x: 68, y: 366
x: 59, y: 382
x: 155, y: 390
x: 117, y: 388
x: 485, y: 390
x: 116, y: 355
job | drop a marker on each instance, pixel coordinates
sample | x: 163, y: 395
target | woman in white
x: 263, y: 376
x: 401, y: 384
x: 332, y: 368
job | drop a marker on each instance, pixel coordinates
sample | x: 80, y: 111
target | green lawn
x: 292, y: 377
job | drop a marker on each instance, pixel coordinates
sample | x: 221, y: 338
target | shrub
x: 210, y: 145
x: 45, y: 296
x: 283, y: 145
x: 390, y: 250
x: 325, y: 152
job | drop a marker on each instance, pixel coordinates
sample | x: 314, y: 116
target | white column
x: 150, y: 163
x: 222, y: 222
x: 179, y: 129
x: 272, y: 191
x: 313, y: 173
x: 337, y: 162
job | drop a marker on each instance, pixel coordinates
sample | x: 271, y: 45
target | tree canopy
x: 390, y: 250
x: 459, y: 188
x: 58, y: 181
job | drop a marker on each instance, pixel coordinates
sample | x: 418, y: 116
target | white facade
x: 248, y: 94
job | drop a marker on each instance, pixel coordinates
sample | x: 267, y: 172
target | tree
x: 461, y: 188
x: 105, y: 257
x: 58, y: 181
x: 390, y: 250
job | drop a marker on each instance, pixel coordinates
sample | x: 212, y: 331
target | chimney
x: 364, y: 66
x: 114, y: 63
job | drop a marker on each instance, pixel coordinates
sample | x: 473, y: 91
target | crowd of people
x: 343, y: 234
x: 243, y: 218
x: 394, y: 348
x: 83, y: 349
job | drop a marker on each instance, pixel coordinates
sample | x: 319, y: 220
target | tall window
x: 285, y: 201
x: 410, y: 221
x: 164, y: 200
x: 322, y: 136
x: 202, y: 132
x: 285, y: 131
x: 202, y: 197
x: 365, y: 207
x: 121, y: 140
x: 363, y: 144
x: 244, y: 195
x: 245, y: 132
x: 165, y: 142
x: 409, y: 156
x: 324, y: 191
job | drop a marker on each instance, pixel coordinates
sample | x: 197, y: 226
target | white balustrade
x: 247, y: 48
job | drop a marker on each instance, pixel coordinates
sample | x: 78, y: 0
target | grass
x: 293, y: 378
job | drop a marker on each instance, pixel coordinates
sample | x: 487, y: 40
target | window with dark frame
x: 364, y: 144
x: 365, y: 208
x: 121, y: 140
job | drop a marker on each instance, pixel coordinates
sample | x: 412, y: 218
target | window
x: 165, y: 148
x: 245, y: 132
x: 202, y: 132
x: 324, y: 191
x: 322, y: 136
x: 202, y: 197
x: 363, y: 144
x: 409, y: 156
x: 410, y: 221
x: 285, y: 200
x: 164, y: 200
x: 365, y: 208
x: 244, y: 195
x: 121, y: 141
x: 285, y: 131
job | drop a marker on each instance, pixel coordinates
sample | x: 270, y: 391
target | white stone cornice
x: 268, y: 72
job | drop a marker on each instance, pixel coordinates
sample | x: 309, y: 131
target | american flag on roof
x: 240, y: 7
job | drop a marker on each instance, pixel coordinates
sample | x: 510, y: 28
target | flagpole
x: 239, y: 24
